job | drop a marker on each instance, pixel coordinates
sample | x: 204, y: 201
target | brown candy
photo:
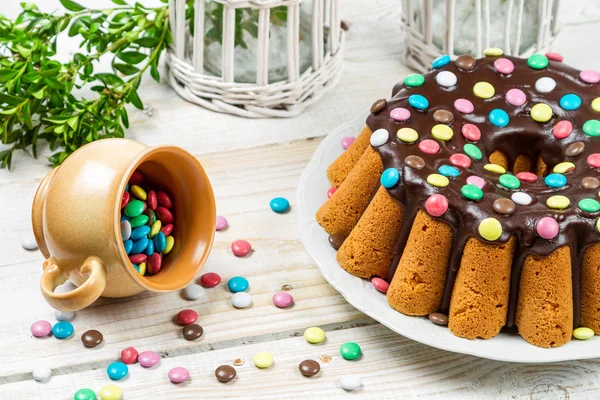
x: 151, y: 216
x: 378, y: 106
x: 192, y: 331
x: 589, y: 182
x: 575, y: 149
x: 91, y: 338
x: 309, y: 368
x: 438, y: 318
x: 336, y: 240
x: 466, y: 62
x: 504, y: 206
x: 443, y: 116
x: 415, y: 162
x: 225, y: 373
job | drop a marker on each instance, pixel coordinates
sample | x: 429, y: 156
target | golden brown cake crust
x: 341, y: 167
x: 590, y: 289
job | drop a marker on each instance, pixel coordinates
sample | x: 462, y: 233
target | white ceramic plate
x: 312, y: 193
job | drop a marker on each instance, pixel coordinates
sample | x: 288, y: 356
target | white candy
x: 125, y: 230
x: 241, y: 300
x: 379, y: 137
x: 350, y: 382
x: 521, y: 198
x: 446, y: 78
x: 193, y: 291
x: 63, y: 315
x: 42, y: 374
x: 28, y: 242
x: 545, y: 85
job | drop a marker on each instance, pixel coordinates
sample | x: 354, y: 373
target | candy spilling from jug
x: 146, y: 224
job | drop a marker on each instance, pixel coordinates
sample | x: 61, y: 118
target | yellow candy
x: 263, y: 360
x: 493, y: 52
x: 169, y: 245
x: 541, y: 112
x: 142, y: 268
x: 598, y: 225
x: 438, y: 180
x: 583, y: 333
x: 490, y: 229
x: 155, y: 228
x: 442, y: 132
x: 407, y: 135
x: 314, y: 335
x: 484, y: 90
x: 495, y: 168
x: 138, y: 192
x: 563, y: 167
x: 558, y: 202
x: 111, y: 392
x: 596, y: 104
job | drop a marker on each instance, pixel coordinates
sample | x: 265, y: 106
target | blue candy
x: 499, y: 117
x: 160, y: 242
x: 140, y: 232
x: 555, y: 180
x: 570, y: 102
x: 124, y: 218
x: 237, y: 284
x: 128, y: 245
x: 390, y: 178
x: 136, y: 267
x: 418, y: 101
x: 441, y: 61
x: 62, y: 329
x: 139, y: 245
x: 117, y: 371
x: 280, y: 205
x: 149, y: 248
x: 448, y: 170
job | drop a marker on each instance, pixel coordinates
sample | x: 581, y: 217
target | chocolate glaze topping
x: 521, y: 136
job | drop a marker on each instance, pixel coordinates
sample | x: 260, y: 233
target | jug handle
x: 79, y: 298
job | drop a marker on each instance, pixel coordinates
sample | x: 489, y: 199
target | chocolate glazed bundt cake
x: 474, y: 192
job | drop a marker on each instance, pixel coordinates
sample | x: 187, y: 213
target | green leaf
x: 125, y: 69
x: 71, y: 5
x: 88, y: 69
x: 75, y: 26
x: 58, y: 119
x: 73, y: 121
x: 154, y: 72
x: 132, y: 57
x: 135, y: 99
x: 124, y: 117
x: 54, y: 84
x: 109, y: 79
x: 39, y: 94
x: 120, y: 2
x: 148, y: 41
x: 132, y: 36
x: 9, y: 99
x: 10, y: 111
x: 27, y: 115
x: 7, y: 74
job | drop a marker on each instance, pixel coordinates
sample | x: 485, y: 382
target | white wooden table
x: 249, y: 162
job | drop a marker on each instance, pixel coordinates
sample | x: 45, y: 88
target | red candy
x: 165, y: 200
x: 594, y: 160
x: 527, y: 176
x: 138, y: 258
x: 554, y: 57
x: 471, y: 132
x: 186, y: 317
x: 152, y: 200
x: 136, y: 178
x: 164, y: 215
x: 330, y: 192
x: 154, y: 263
x: 460, y: 160
x: 436, y: 205
x: 429, y: 146
x: 167, y: 229
x: 126, y: 198
x: 210, y: 279
x: 562, y: 129
x: 241, y: 248
x: 129, y: 355
x: 380, y: 284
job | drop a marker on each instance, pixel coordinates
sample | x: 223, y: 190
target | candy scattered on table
x: 148, y: 359
x: 193, y: 291
x: 241, y: 300
x: 280, y: 205
x: 314, y: 335
x: 41, y: 328
x: 192, y: 331
x: 117, y: 370
x: 92, y: 338
x: 439, y: 318
x: 210, y: 279
x: 239, y: 362
x: 41, y: 373
x: 380, y: 284
x: 241, y: 248
x: 350, y: 382
x: 225, y: 373
x: 263, y: 360
x: 179, y: 375
x: 186, y: 317
x: 309, y: 368
x: 64, y: 315
x: 350, y: 351
x: 87, y: 394
x: 129, y: 356
x: 583, y: 333
x: 222, y: 223
x: 237, y: 284
x: 283, y: 299
x: 28, y: 242
x: 110, y: 392
x: 62, y: 330
x: 347, y: 141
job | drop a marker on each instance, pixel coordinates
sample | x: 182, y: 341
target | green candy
x: 592, y: 127
x: 350, y: 351
x: 134, y: 208
x: 472, y: 151
x: 139, y: 221
x: 589, y: 205
x: 538, y: 61
x: 508, y: 181
x: 472, y: 192
x: 85, y: 394
x: 414, y: 80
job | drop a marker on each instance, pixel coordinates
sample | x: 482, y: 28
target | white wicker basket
x: 285, y: 98
x: 418, y: 23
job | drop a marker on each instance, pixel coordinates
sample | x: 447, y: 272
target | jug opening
x: 180, y: 175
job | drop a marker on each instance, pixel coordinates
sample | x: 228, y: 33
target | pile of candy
x: 146, y: 225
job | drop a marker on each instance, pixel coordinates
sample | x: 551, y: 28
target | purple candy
x: 283, y: 299
x: 221, y: 223
x: 178, y: 375
x: 148, y: 359
x: 41, y: 328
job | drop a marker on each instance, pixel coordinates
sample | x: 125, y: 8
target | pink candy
x: 562, y: 129
x: 464, y: 106
x: 179, y: 374
x: 594, y: 160
x: 221, y: 223
x: 547, y: 228
x: 436, y: 205
x: 429, y: 146
x: 589, y: 76
x: 330, y: 192
x: 504, y: 66
x: 460, y: 160
x: 283, y: 299
x: 471, y: 132
x: 527, y: 176
x: 554, y: 57
x: 380, y: 284
x: 516, y: 97
x: 241, y: 248
x: 347, y: 141
x: 148, y: 359
x: 41, y: 328
x: 476, y: 180
x: 400, y: 114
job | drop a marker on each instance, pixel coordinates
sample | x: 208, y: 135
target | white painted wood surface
x: 249, y: 162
